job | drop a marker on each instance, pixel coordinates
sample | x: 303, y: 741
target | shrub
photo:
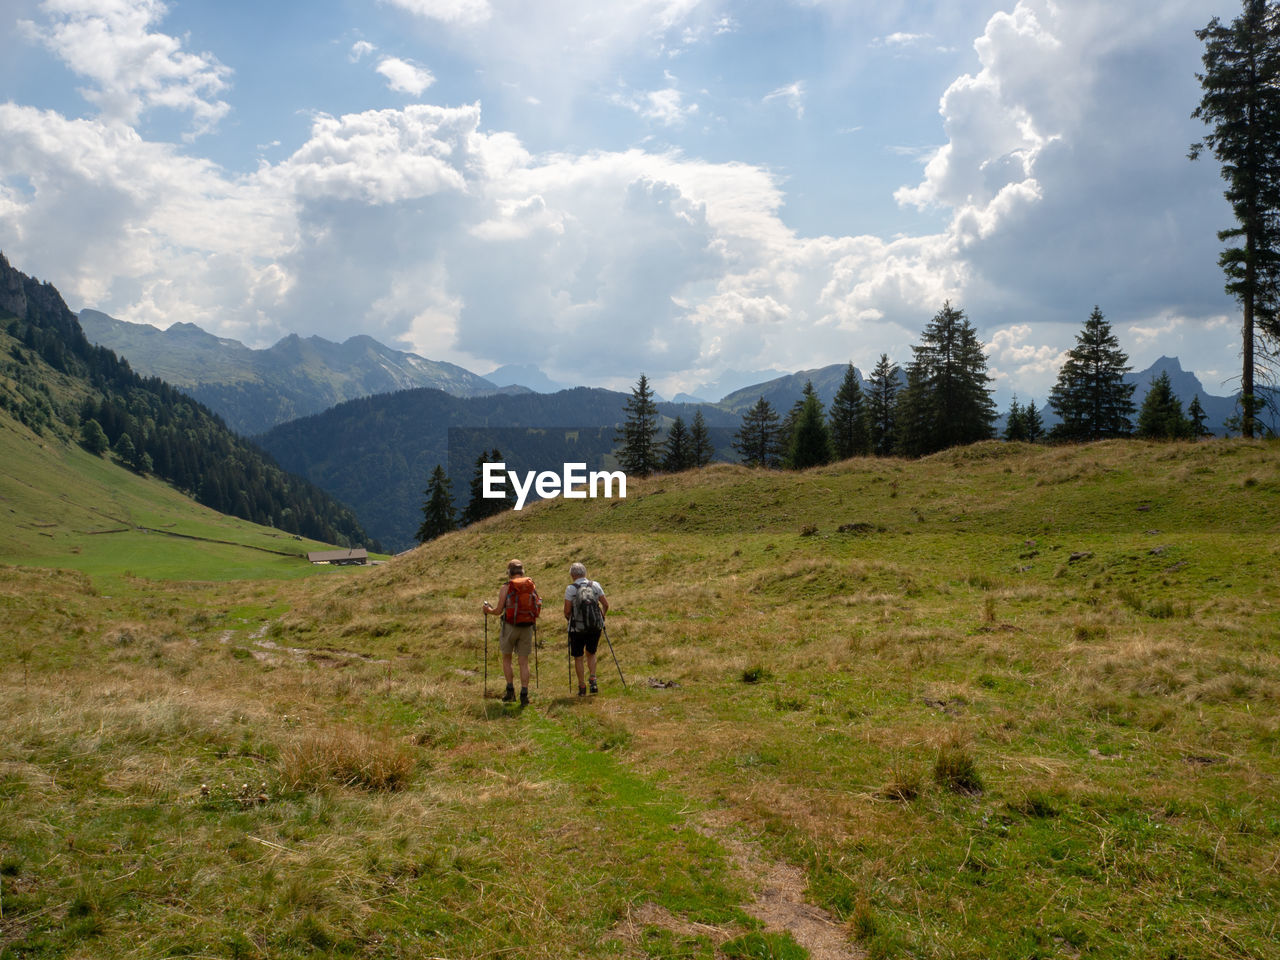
x: 955, y: 767
x: 903, y: 786
x: 349, y: 758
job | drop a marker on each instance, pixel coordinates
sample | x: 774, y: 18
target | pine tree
x: 1197, y: 416
x: 1161, y: 416
x: 1015, y: 428
x: 1032, y: 423
x: 1090, y: 395
x: 641, y: 453
x: 679, y: 448
x: 479, y: 506
x: 437, y: 509
x: 849, y: 433
x: 947, y: 401
x: 911, y: 414
x: 700, y: 444
x: 810, y: 439
x: 882, y: 406
x: 1241, y: 104
x: 788, y: 429
x: 759, y: 439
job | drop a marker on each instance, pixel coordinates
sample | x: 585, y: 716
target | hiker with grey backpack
x: 585, y: 606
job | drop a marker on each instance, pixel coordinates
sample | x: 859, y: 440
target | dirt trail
x: 779, y: 904
x: 268, y: 651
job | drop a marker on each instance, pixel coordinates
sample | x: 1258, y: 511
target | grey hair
x: 577, y: 571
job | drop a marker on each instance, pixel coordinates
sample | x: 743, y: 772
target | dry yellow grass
x: 1121, y: 711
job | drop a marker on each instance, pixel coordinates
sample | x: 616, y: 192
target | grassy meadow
x: 62, y: 507
x: 1007, y: 701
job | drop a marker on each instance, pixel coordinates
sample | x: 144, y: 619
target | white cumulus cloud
x: 404, y: 76
x: 1062, y: 183
x: 132, y: 68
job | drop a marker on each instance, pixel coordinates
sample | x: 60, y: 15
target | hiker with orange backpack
x: 518, y: 606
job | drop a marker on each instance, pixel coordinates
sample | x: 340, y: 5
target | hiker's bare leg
x: 524, y: 671
x: 591, y: 666
x: 506, y: 667
x: 577, y: 662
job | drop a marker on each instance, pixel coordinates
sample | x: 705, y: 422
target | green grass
x: 63, y: 507
x: 1026, y: 705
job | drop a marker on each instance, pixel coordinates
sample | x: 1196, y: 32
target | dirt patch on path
x: 779, y: 904
x: 268, y: 651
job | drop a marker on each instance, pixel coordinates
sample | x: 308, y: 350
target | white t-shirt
x: 571, y: 590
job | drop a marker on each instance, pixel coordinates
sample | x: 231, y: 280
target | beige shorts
x: 516, y: 639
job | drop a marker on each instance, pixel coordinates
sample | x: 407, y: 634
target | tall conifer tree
x: 759, y: 439
x: 882, y: 406
x: 1161, y: 416
x: 700, y: 445
x: 641, y: 453
x: 1015, y: 423
x: 1241, y: 105
x: 849, y: 434
x: 678, y: 453
x: 478, y: 506
x: 437, y: 510
x: 1032, y: 422
x: 810, y: 444
x: 1197, y: 416
x: 1090, y: 395
x: 947, y: 401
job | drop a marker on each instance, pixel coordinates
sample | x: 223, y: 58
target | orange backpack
x: 523, y: 603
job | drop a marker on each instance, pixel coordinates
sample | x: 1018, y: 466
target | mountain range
x: 58, y: 385
x: 253, y: 390
x: 256, y: 390
x: 374, y: 431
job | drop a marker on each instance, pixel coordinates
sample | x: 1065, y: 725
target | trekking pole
x: 615, y: 656
x: 486, y: 655
x: 569, y: 644
x: 536, y: 682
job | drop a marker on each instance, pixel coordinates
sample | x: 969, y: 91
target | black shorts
x: 588, y: 640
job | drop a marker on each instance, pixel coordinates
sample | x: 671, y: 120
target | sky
x: 692, y: 189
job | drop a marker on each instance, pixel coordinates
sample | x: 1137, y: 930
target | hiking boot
x: 524, y: 696
x: 582, y: 691
x: 510, y: 695
x: 594, y: 688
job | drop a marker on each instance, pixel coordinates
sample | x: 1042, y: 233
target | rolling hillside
x: 376, y: 453
x: 1005, y: 701
x: 56, y: 383
x: 63, y: 507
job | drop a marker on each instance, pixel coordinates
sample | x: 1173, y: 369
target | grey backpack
x: 586, y: 616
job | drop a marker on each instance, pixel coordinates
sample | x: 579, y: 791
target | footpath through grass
x: 1026, y: 703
